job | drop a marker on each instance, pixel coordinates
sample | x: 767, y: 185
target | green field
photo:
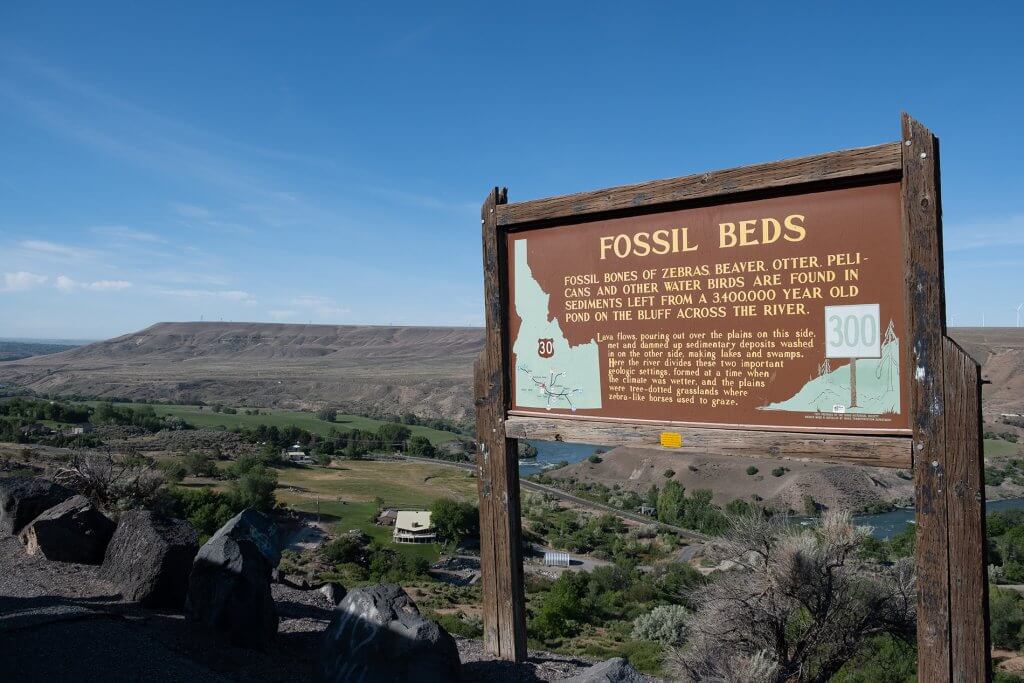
x: 203, y: 416
x: 998, y: 447
x: 346, y: 493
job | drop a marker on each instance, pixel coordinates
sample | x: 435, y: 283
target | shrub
x: 778, y: 471
x: 200, y: 464
x: 1006, y: 617
x: 810, y: 506
x: 457, y: 624
x: 350, y: 548
x: 805, y: 583
x: 174, y: 471
x: 327, y: 414
x: 204, y: 508
x: 665, y: 625
x: 668, y: 474
x: 752, y: 470
x: 255, y: 488
x: 594, y: 458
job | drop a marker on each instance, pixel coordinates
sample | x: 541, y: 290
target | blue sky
x: 325, y: 162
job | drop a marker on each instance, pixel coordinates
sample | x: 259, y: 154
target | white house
x: 413, y: 526
x: 297, y: 455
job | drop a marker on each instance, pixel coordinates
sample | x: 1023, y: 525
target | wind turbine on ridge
x: 1019, y: 306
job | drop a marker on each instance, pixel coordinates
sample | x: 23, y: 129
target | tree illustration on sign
x: 889, y: 364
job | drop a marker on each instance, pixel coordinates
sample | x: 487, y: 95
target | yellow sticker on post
x: 671, y: 439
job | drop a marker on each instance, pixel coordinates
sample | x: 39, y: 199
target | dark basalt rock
x: 22, y: 499
x: 229, y: 589
x: 150, y: 558
x: 378, y: 635
x: 334, y: 592
x: 72, y: 531
x: 616, y: 670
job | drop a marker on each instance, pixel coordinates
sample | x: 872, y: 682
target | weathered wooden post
x: 561, y: 355
x: 952, y: 585
x: 501, y: 563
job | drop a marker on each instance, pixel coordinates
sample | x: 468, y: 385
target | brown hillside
x: 426, y: 370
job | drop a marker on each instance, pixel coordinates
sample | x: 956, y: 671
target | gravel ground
x: 60, y: 621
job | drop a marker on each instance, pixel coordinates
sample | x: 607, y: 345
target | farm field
x: 347, y: 492
x: 203, y: 416
x: 1000, y: 447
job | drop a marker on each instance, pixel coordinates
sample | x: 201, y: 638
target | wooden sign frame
x: 944, y: 449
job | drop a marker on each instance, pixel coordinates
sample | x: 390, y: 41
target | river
x: 550, y: 453
x: 889, y: 524
x: 883, y: 525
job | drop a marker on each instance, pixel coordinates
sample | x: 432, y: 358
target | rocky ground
x: 60, y: 621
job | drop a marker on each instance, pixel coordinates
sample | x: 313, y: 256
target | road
x: 583, y: 502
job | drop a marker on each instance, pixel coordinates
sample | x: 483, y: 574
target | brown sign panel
x: 785, y: 313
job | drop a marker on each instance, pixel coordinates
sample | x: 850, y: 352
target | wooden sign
x: 793, y: 309
x: 747, y: 313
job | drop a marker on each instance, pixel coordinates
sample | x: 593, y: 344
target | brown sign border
x: 944, y: 449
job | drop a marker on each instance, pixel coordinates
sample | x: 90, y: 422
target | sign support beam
x: 952, y: 600
x: 501, y: 561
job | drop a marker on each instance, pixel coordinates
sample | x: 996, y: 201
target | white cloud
x: 122, y: 232
x: 66, y: 284
x: 54, y: 249
x: 191, y: 211
x: 22, y: 281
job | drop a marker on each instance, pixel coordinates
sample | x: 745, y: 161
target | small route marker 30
x: 792, y: 309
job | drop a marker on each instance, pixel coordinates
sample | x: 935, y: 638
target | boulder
x: 229, y: 589
x: 22, y: 499
x: 150, y: 558
x: 257, y: 528
x: 334, y: 592
x: 377, y: 634
x: 72, y: 531
x: 615, y: 670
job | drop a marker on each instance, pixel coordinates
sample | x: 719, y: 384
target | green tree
x: 671, y: 502
x: 255, y: 489
x: 1006, y: 618
x: 327, y: 414
x: 393, y: 436
x: 200, y: 464
x: 652, y: 496
x: 453, y: 520
x: 562, y: 609
x: 421, y: 446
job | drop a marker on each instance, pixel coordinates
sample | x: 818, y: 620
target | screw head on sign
x: 924, y: 155
x: 935, y: 463
x: 907, y: 143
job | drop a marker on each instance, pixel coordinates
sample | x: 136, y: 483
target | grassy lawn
x: 347, y: 492
x: 999, y: 447
x: 203, y: 416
